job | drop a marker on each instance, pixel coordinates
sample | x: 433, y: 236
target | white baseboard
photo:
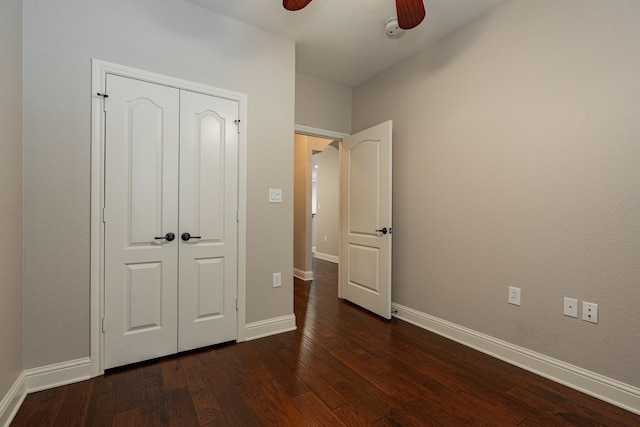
x: 327, y: 257
x: 303, y: 275
x: 42, y: 378
x: 58, y: 374
x: 11, y: 402
x: 612, y: 391
x: 273, y: 326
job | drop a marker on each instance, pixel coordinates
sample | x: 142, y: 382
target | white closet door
x: 141, y: 208
x: 208, y: 213
x: 171, y: 167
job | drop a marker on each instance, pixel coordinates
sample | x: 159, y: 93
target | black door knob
x: 382, y: 230
x: 187, y: 236
x: 168, y: 237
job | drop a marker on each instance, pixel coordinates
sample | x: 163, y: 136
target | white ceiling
x: 343, y: 41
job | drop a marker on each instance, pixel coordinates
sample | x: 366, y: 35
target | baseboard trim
x: 265, y: 328
x: 327, y: 257
x: 58, y: 374
x: 612, y: 391
x: 11, y: 402
x: 303, y: 275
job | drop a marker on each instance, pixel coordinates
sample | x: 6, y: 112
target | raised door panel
x: 209, y: 295
x: 364, y: 265
x: 363, y: 163
x: 143, y: 297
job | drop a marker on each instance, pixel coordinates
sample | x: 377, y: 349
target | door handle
x: 187, y: 236
x: 168, y: 237
x: 382, y: 230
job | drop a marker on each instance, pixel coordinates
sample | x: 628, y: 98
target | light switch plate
x: 275, y: 195
x: 277, y: 280
x: 514, y: 295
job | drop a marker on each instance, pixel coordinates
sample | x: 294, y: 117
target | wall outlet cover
x: 570, y: 307
x: 514, y: 295
x: 277, y: 280
x: 589, y: 312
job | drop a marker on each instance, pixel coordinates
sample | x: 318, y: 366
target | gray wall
x: 177, y: 39
x: 322, y: 104
x: 517, y: 153
x: 304, y: 147
x: 328, y: 211
x: 10, y: 194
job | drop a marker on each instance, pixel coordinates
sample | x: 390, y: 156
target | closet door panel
x: 141, y: 207
x: 208, y: 213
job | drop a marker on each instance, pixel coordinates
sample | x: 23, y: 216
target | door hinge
x: 237, y: 122
x: 102, y: 326
x: 236, y: 304
x: 237, y: 216
x: 104, y: 214
x: 104, y: 96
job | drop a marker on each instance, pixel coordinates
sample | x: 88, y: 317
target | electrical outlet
x: 590, y: 312
x: 277, y: 280
x: 514, y: 295
x: 570, y: 307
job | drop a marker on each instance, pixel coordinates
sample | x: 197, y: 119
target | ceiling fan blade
x: 410, y: 13
x: 293, y: 5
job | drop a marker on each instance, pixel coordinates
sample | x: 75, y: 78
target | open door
x: 365, y: 268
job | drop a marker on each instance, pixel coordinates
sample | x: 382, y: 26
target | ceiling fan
x: 410, y: 12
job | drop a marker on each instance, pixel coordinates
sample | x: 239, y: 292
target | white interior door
x: 208, y: 212
x: 171, y: 167
x: 365, y: 261
x: 141, y: 207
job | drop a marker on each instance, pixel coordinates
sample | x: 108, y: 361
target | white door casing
x: 171, y: 166
x: 366, y: 191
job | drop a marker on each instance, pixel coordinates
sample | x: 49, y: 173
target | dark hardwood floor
x: 343, y: 366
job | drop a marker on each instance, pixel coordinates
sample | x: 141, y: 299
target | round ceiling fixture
x: 392, y: 29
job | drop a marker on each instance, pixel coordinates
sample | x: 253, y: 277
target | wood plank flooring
x: 342, y: 367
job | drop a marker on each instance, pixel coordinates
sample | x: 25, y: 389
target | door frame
x: 99, y: 70
x: 339, y: 136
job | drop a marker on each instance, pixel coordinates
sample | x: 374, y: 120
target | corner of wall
x: 11, y: 402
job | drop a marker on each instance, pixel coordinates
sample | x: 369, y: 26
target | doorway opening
x: 365, y: 206
x: 316, y: 202
x: 326, y: 204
